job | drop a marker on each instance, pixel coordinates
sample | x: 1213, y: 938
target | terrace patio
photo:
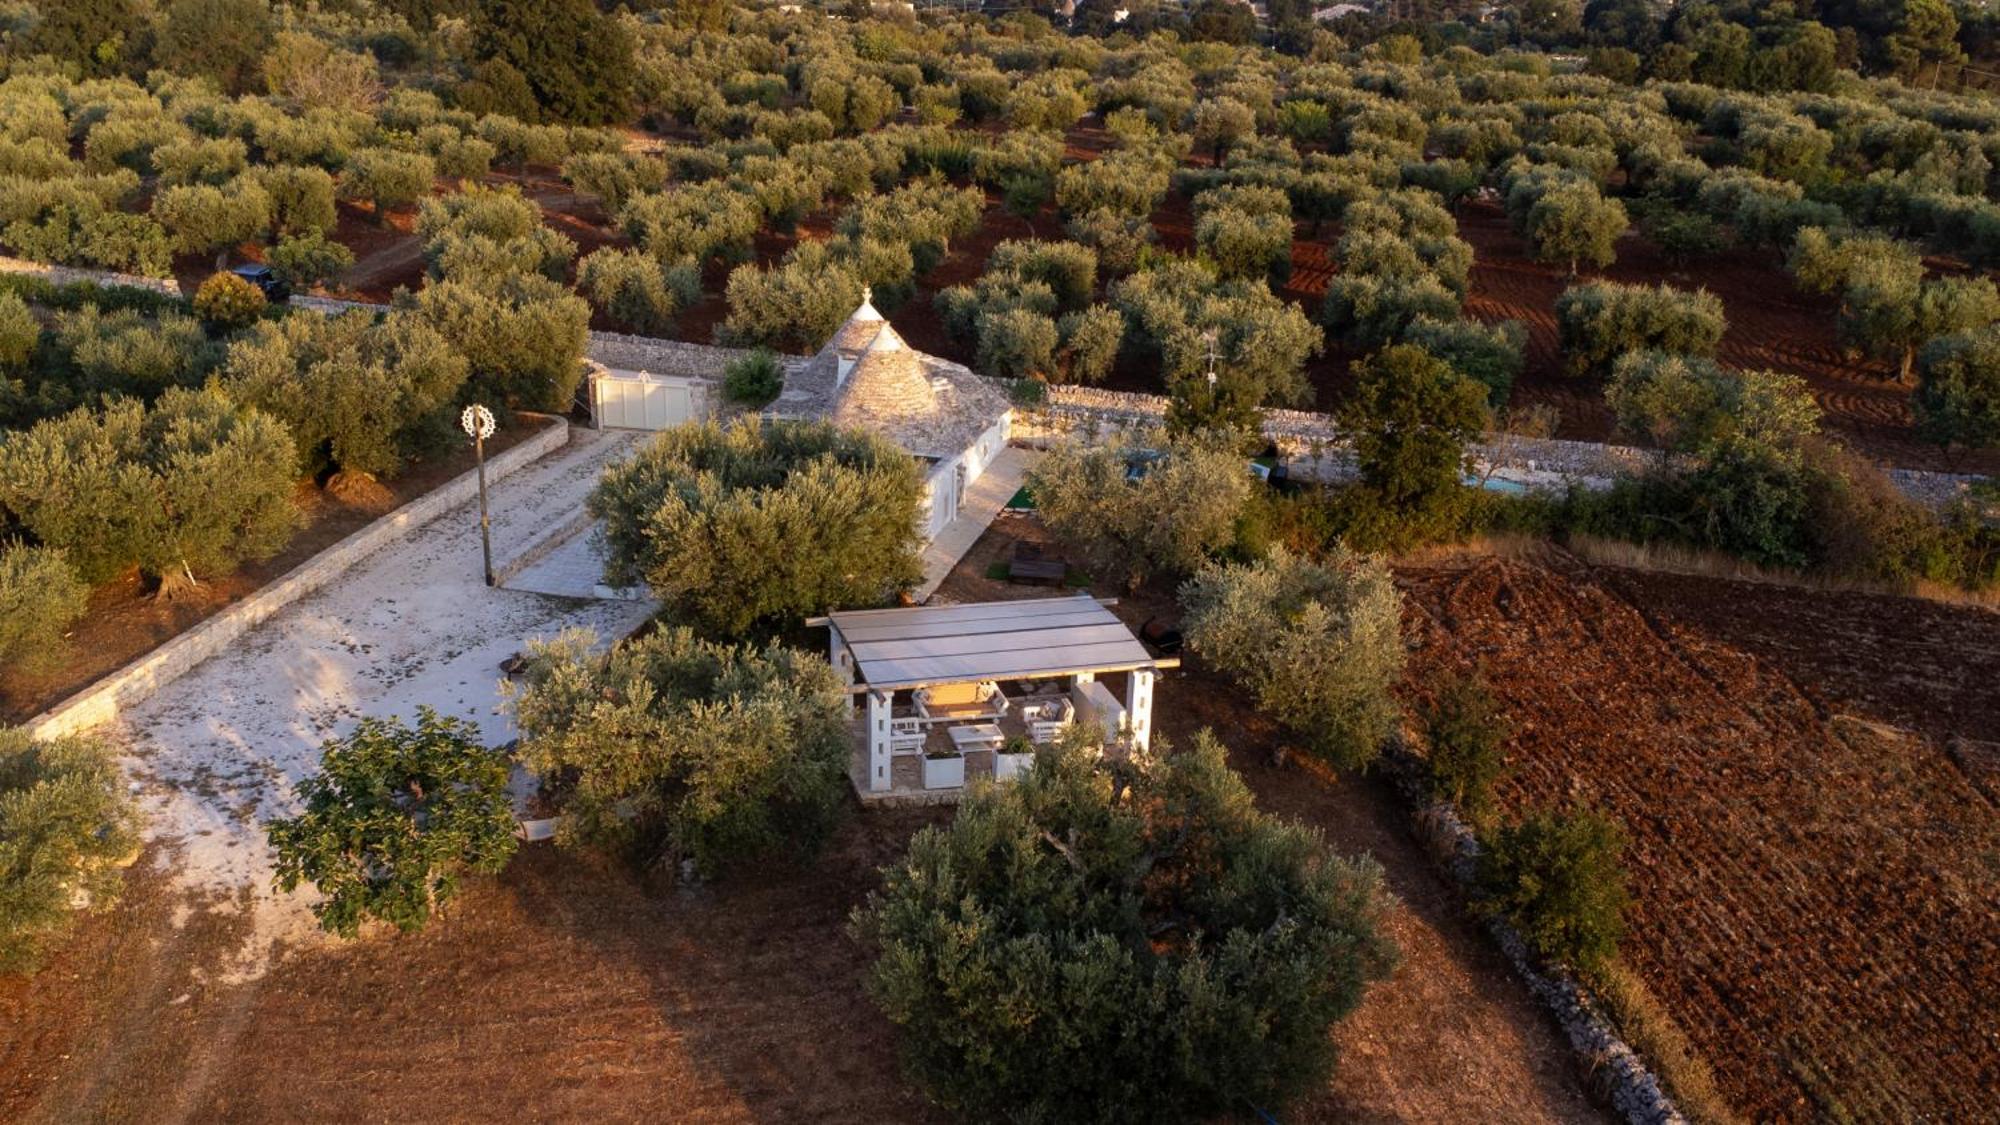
x: 954, y: 693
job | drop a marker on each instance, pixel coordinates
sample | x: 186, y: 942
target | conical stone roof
x: 887, y: 387
x: 861, y: 327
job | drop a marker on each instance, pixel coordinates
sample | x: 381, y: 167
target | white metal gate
x: 641, y: 400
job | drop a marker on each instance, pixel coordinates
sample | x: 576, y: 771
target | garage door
x: 642, y: 401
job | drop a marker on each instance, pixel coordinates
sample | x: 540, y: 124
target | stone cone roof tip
x: 887, y: 384
x: 860, y: 328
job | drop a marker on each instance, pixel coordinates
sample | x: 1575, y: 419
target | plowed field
x: 1816, y: 881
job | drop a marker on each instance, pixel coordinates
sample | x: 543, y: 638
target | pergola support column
x: 878, y: 741
x: 1139, y: 707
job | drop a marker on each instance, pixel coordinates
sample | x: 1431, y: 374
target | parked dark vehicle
x: 267, y: 282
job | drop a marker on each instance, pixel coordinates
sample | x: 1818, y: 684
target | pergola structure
x: 935, y: 677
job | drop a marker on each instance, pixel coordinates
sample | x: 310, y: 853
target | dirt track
x: 1817, y: 899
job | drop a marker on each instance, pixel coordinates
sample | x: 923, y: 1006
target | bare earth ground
x: 1816, y: 879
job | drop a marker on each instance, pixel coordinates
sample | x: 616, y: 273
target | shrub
x: 226, y: 302
x: 40, y: 597
x: 1467, y: 733
x: 1603, y: 320
x: 1559, y: 878
x: 193, y: 484
x: 754, y: 379
x: 1317, y: 643
x: 669, y: 748
x: 1219, y: 945
x: 762, y: 524
x: 394, y: 820
x: 65, y: 825
x: 1134, y: 513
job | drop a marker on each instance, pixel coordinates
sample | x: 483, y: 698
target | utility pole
x: 478, y: 422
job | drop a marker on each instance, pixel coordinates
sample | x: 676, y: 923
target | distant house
x: 1340, y: 11
x: 951, y: 420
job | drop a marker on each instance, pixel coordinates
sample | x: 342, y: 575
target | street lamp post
x: 478, y: 423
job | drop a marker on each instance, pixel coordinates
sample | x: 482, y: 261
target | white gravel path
x: 217, y: 752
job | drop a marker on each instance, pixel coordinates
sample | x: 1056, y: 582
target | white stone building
x: 954, y: 422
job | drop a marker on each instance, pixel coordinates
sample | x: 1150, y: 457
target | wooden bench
x: 1028, y: 564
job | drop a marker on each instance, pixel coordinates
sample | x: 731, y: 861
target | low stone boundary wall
x: 104, y: 700
x: 64, y: 275
x: 661, y: 357
x: 1631, y: 1086
x: 1312, y: 443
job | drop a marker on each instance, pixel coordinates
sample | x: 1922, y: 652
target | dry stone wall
x: 64, y: 275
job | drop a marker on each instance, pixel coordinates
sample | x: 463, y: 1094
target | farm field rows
x: 1816, y: 898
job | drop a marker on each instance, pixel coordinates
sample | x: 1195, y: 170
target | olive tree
x: 762, y: 524
x: 394, y: 820
x: 1244, y: 245
x: 195, y: 484
x: 1887, y: 316
x: 1135, y: 512
x: 1489, y: 354
x: 358, y: 394
x: 40, y: 598
x: 203, y: 219
x: 305, y: 261
x: 523, y: 335
x: 1317, y: 643
x: 485, y: 233
x: 670, y: 749
x: 66, y: 826
x: 387, y: 178
x: 637, y: 290
x: 1180, y: 311
x: 1219, y: 945
x: 1957, y: 401
x: 1575, y: 223
x: 1600, y: 321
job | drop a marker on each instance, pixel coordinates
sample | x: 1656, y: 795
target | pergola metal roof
x: 1014, y: 640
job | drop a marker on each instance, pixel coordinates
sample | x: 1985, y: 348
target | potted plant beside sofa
x: 944, y: 769
x: 1014, y: 757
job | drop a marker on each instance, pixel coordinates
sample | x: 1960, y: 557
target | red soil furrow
x: 1813, y: 896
